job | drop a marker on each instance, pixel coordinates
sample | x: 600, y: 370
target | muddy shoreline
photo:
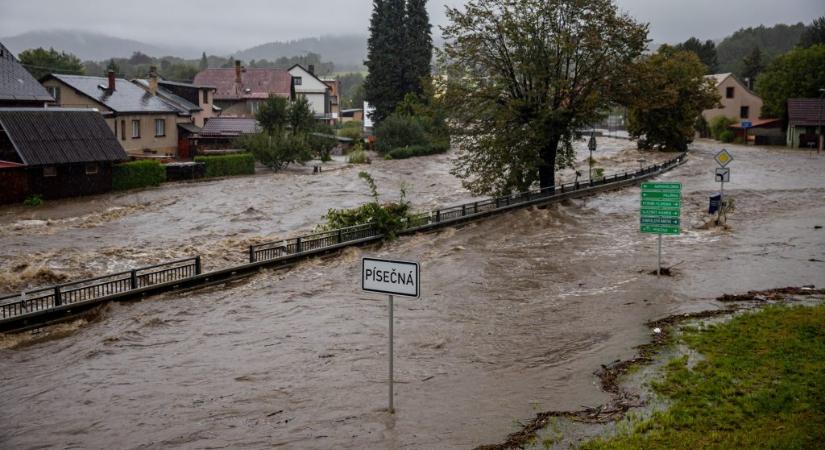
x: 610, y: 375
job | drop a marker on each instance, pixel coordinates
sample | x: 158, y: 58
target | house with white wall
x: 736, y: 100
x: 314, y: 89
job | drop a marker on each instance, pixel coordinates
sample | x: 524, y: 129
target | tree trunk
x: 547, y: 169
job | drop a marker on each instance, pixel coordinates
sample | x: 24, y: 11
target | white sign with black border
x: 390, y: 277
x: 723, y: 175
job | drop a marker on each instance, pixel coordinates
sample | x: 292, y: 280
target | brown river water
x: 516, y: 314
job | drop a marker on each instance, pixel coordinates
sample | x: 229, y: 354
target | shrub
x: 727, y: 136
x: 719, y: 125
x: 359, y: 157
x: 227, y: 165
x: 418, y: 150
x: 275, y: 152
x: 352, y: 133
x: 389, y: 218
x: 138, y: 174
x: 33, y: 200
x: 399, y: 131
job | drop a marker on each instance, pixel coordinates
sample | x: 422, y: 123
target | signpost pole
x: 659, y: 264
x: 721, y: 201
x: 391, y: 409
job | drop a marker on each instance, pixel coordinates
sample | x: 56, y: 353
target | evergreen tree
x: 705, y: 51
x: 113, y: 67
x: 385, y: 83
x: 813, y: 34
x: 418, y: 51
x: 752, y: 66
x: 204, y: 62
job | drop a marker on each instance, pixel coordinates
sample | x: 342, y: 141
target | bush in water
x: 33, y: 200
x: 720, y: 124
x: 418, y: 150
x: 137, y: 174
x: 227, y: 165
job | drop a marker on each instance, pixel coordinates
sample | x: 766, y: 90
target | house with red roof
x: 241, y: 91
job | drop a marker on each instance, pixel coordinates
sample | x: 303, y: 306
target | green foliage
x: 702, y: 127
x: 300, y: 117
x: 138, y: 174
x: 389, y: 218
x: 322, y: 141
x: 417, y: 53
x: 359, y: 157
x: 511, y: 92
x: 33, y: 200
x: 719, y: 125
x: 796, y: 74
x: 759, y: 384
x: 276, y: 151
x: 228, y: 165
x: 771, y: 41
x: 727, y: 136
x: 399, y: 131
x: 705, y: 51
x: 40, y: 62
x: 814, y: 34
x: 272, y: 114
x: 352, y: 90
x: 351, y: 132
x: 752, y: 65
x: 204, y: 63
x: 670, y: 92
x: 305, y: 59
x: 418, y: 150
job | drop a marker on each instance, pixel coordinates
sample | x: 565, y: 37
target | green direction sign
x: 662, y: 186
x: 646, y: 195
x: 661, y: 203
x: 655, y: 212
x: 661, y: 229
x: 660, y: 221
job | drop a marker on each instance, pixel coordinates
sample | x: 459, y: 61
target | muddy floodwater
x: 516, y: 314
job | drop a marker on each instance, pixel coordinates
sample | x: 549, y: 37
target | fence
x: 97, y: 288
x: 116, y: 285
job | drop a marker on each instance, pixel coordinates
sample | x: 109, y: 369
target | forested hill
x: 347, y: 52
x: 771, y: 41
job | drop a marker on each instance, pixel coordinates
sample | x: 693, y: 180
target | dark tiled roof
x: 220, y: 126
x: 126, y: 98
x: 806, y: 111
x: 58, y: 136
x: 181, y: 104
x: 16, y: 83
x: 185, y: 85
x: 255, y: 83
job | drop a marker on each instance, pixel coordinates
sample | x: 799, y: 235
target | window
x: 298, y: 81
x: 136, y: 129
x: 123, y: 130
x: 49, y: 171
x: 205, y: 95
x: 744, y: 112
x: 729, y: 92
x: 91, y: 169
x: 54, y: 91
x: 254, y: 106
x: 160, y: 127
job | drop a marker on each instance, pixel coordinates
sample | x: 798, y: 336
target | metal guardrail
x: 122, y: 284
x: 99, y: 287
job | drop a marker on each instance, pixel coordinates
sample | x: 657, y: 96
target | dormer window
x: 298, y: 81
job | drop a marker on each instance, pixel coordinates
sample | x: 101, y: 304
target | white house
x: 313, y: 89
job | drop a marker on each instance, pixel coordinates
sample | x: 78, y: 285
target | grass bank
x: 760, y: 384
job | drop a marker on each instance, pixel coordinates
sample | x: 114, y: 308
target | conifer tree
x: 418, y: 51
x: 385, y: 83
x: 204, y: 62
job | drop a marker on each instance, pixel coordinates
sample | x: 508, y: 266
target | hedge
x: 226, y: 165
x: 138, y: 174
x: 418, y: 150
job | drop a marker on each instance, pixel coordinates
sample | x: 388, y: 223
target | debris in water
x: 657, y: 330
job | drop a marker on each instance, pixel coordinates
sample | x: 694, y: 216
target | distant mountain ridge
x: 347, y: 52
x: 90, y: 46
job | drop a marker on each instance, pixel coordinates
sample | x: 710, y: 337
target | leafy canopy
x: 796, y: 74
x: 705, y: 51
x: 40, y: 62
x: 520, y: 76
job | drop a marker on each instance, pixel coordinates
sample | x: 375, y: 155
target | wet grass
x: 761, y: 384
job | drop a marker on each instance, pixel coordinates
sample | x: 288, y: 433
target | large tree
x: 796, y: 74
x: 814, y: 33
x: 384, y: 86
x: 752, y: 66
x: 668, y: 93
x: 523, y: 75
x: 705, y: 51
x: 418, y: 48
x: 40, y: 62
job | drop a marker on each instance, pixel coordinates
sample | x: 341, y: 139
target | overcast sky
x: 232, y: 25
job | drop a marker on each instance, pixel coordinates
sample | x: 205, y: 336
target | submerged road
x: 515, y: 315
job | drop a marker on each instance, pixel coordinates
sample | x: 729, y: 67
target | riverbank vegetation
x: 389, y: 217
x: 137, y: 174
x: 759, y: 383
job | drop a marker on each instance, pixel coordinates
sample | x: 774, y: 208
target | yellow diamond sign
x: 723, y: 158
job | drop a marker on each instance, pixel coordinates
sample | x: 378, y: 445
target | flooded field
x: 516, y: 314
x: 218, y: 219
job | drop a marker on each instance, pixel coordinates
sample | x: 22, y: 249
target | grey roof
x: 126, y: 98
x: 59, y: 136
x: 186, y: 85
x: 16, y: 83
x: 229, y: 126
x: 181, y: 104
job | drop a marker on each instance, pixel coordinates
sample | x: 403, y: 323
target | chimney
x: 237, y: 71
x: 312, y: 69
x: 153, y: 80
x: 111, y: 75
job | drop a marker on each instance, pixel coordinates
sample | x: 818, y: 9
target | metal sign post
x: 591, y: 145
x: 660, y: 212
x: 722, y: 158
x: 392, y: 278
x: 746, y: 124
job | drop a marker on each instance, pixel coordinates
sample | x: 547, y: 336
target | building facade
x: 736, y: 100
x: 315, y: 90
x: 239, y: 92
